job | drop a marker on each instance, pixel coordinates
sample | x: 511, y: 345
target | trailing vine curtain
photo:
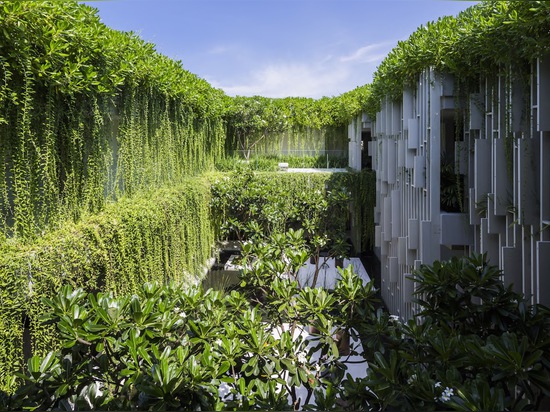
x: 80, y: 125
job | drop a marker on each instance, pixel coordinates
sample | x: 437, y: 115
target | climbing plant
x: 363, y: 203
x: 164, y: 235
x: 481, y: 40
x: 296, y: 123
x: 90, y: 114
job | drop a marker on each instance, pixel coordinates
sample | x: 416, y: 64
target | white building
x: 463, y: 171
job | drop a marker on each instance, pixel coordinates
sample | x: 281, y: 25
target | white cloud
x: 220, y: 50
x: 328, y: 75
x: 368, y: 54
x: 224, y: 49
x: 290, y: 79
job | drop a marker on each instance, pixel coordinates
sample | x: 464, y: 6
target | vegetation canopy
x: 481, y: 40
x: 105, y: 213
x: 166, y: 348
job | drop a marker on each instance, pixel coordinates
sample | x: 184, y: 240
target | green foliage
x: 264, y: 124
x: 256, y: 113
x: 159, y: 236
x: 363, y: 203
x: 479, y: 41
x: 475, y: 345
x: 90, y: 114
x: 270, y: 163
x: 468, y: 296
x: 166, y: 348
x: 249, y: 205
x: 66, y: 47
x: 451, y: 186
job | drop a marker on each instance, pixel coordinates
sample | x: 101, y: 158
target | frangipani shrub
x: 475, y: 345
x: 166, y: 348
x: 172, y: 349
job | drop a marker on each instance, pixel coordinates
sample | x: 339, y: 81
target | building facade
x: 461, y: 170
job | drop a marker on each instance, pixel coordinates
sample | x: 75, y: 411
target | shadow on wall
x: 372, y: 266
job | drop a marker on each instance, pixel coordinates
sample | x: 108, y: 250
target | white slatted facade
x: 500, y: 145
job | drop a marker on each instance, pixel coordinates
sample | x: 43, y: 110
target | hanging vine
x: 154, y: 236
x: 95, y: 125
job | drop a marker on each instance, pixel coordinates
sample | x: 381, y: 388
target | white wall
x: 503, y: 152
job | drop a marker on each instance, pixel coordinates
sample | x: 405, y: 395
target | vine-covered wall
x: 88, y: 114
x: 294, y: 125
x: 332, y: 141
x: 165, y: 235
x: 99, y: 138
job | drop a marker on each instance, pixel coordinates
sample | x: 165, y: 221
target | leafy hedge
x: 481, y: 40
x: 159, y: 236
x: 273, y: 114
x: 251, y: 205
x: 89, y: 114
x: 64, y: 45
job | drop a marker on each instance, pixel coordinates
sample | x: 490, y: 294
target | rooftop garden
x: 111, y: 206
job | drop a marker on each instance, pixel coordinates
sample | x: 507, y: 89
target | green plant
x: 169, y: 348
x: 90, y: 115
x: 449, y: 291
x: 269, y: 163
x: 159, y: 236
x: 475, y: 345
x: 263, y: 124
x: 248, y: 205
x: 481, y: 40
x: 452, y: 187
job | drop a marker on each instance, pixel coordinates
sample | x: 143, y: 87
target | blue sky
x: 276, y: 48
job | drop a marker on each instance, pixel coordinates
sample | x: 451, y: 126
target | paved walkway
x: 328, y: 274
x: 309, y: 170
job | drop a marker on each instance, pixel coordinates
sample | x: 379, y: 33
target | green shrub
x: 248, y: 205
x: 270, y: 163
x: 170, y: 348
x: 159, y: 236
x: 475, y: 345
x: 166, y: 348
x: 260, y: 124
